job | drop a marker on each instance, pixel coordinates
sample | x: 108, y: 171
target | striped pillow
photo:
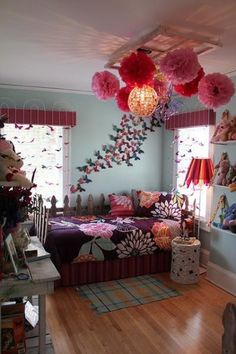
x: 121, y: 205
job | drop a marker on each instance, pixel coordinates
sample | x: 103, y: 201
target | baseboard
x: 222, y: 277
x: 204, y: 257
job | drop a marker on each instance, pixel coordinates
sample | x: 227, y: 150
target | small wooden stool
x: 185, y: 260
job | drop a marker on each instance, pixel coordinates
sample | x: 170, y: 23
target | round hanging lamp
x: 142, y: 101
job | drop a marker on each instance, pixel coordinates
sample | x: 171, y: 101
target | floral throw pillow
x: 168, y: 206
x: 121, y: 205
x: 146, y: 202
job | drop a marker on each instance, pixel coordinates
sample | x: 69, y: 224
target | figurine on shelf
x: 231, y: 175
x: 10, y: 165
x: 229, y: 221
x: 222, y: 128
x: 232, y: 132
x: 221, y: 170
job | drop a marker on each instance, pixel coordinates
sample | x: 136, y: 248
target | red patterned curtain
x: 191, y: 119
x: 39, y: 117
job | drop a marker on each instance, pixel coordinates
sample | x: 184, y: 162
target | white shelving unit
x: 223, y: 230
x: 219, y: 186
x: 227, y: 142
x: 9, y: 184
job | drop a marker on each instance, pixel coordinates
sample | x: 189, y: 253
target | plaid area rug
x: 118, y: 294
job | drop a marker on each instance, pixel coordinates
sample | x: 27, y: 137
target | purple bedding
x: 98, y: 238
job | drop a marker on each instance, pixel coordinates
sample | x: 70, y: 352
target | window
x: 46, y: 149
x: 192, y: 142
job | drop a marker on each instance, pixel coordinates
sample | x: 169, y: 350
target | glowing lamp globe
x: 142, y: 101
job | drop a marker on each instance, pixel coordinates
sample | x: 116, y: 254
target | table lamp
x: 200, y: 172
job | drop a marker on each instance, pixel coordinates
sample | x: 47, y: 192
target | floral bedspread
x: 95, y: 238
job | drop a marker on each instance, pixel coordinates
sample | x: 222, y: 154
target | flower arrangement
x: 16, y: 204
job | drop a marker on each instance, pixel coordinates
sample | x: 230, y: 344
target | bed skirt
x: 92, y: 272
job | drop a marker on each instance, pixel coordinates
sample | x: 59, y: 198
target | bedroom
x: 50, y: 51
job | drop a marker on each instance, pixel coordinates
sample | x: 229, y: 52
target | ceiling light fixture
x: 142, y: 101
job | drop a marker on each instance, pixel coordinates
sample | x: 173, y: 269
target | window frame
x: 66, y: 161
x: 209, y: 192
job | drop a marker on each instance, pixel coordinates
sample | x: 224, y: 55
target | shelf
x: 9, y: 184
x: 228, y: 142
x: 223, y: 230
x: 226, y: 188
x: 219, y: 186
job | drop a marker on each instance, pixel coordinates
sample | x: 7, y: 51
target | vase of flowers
x: 15, y: 206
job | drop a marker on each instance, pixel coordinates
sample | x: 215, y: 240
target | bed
x: 100, y: 246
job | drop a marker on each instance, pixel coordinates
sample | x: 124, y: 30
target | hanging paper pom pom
x: 190, y: 88
x: 122, y: 98
x: 180, y: 66
x: 137, y: 69
x: 105, y: 85
x: 215, y: 90
x: 160, y: 87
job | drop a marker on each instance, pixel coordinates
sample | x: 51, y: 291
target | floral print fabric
x: 105, y: 237
x: 103, y: 230
x: 136, y: 243
x: 147, y: 199
x: 121, y: 205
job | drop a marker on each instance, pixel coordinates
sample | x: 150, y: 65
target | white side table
x: 185, y: 260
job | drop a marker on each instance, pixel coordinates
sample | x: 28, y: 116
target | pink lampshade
x: 200, y: 172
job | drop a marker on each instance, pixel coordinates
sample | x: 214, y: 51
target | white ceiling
x: 61, y: 43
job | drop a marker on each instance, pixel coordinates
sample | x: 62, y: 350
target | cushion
x: 169, y: 206
x: 160, y: 204
x: 121, y: 205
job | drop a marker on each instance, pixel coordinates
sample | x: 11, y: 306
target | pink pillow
x: 121, y: 205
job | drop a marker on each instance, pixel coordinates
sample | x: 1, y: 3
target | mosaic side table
x: 185, y: 260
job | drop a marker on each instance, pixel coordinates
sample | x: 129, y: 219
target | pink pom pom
x: 122, y: 98
x: 215, y: 90
x: 180, y: 66
x: 105, y: 85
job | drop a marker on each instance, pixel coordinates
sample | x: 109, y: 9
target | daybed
x: 100, y: 247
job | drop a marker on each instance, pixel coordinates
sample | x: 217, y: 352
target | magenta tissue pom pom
x: 105, y: 85
x: 137, y: 69
x: 122, y: 98
x: 215, y: 90
x: 180, y: 66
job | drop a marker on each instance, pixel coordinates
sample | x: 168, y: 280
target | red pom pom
x: 137, y: 69
x: 122, y: 98
x: 190, y: 88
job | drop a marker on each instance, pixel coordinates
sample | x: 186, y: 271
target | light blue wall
x: 94, y: 124
x: 222, y: 246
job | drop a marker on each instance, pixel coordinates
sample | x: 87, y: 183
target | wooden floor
x: 190, y: 323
